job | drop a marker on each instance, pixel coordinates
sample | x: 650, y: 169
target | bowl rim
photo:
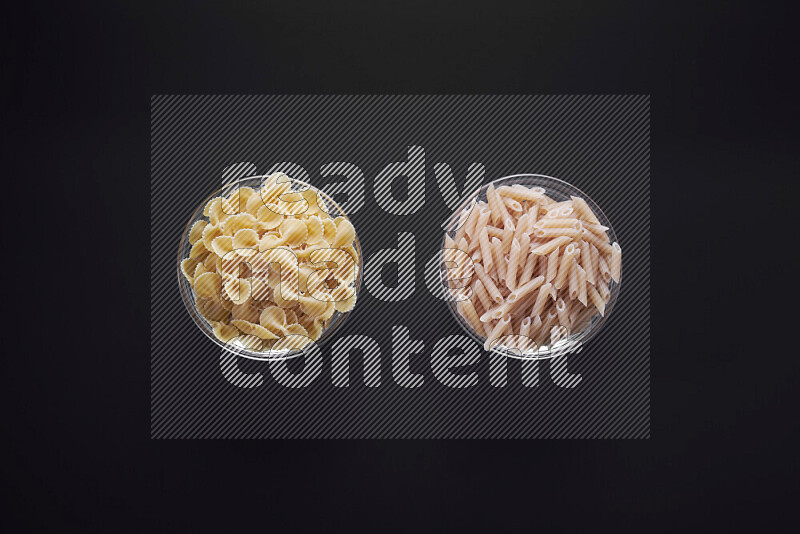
x: 201, y: 322
x: 572, y: 343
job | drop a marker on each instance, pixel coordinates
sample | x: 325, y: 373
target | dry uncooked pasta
x: 270, y: 268
x: 542, y: 269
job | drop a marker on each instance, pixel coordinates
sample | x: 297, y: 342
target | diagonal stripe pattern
x: 599, y: 143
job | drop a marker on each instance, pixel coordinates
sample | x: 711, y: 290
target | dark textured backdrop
x: 601, y: 144
x: 77, y: 447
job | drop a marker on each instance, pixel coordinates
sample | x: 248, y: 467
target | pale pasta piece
x: 567, y: 259
x: 573, y: 281
x: 563, y: 315
x: 345, y: 233
x: 188, y: 266
x: 574, y: 224
x: 328, y: 230
x: 245, y: 312
x: 573, y: 233
x: 550, y: 246
x: 552, y: 265
x: 486, y: 250
x: 605, y: 272
x: 254, y: 329
x: 245, y: 242
x: 582, y: 208
x: 490, y: 286
x: 498, y: 329
x: 224, y: 332
x: 315, y: 229
x: 615, y: 262
x: 273, y: 318
x: 234, y: 223
x: 582, y: 296
x: 293, y: 232
x: 208, y: 285
x: 269, y: 217
x: 196, y: 231
x: 541, y: 300
x: 513, y: 265
x: 237, y: 289
x: 198, y: 249
x: 222, y: 245
x: 597, y: 300
x: 212, y: 310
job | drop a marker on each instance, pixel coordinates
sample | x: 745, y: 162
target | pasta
x: 542, y: 269
x: 269, y: 267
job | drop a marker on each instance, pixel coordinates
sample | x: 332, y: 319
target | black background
x: 79, y: 76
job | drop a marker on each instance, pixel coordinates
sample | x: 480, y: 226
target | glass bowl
x: 558, y: 190
x: 188, y: 294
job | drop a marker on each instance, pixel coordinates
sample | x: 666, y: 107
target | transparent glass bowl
x: 188, y: 295
x: 558, y: 190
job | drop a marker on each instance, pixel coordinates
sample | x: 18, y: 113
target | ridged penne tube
x: 552, y: 265
x: 500, y: 265
x: 566, y: 263
x: 496, y: 206
x: 572, y: 233
x: 480, y: 291
x: 499, y: 328
x: 520, y: 194
x: 519, y: 294
x: 486, y: 250
x: 596, y: 299
x: 508, y: 235
x: 605, y: 272
x: 582, y: 297
x: 602, y: 289
x: 471, y: 222
x: 488, y: 284
x: 550, y: 246
x: 587, y: 261
x: 573, y: 281
x: 512, y: 205
x: 563, y: 315
x: 575, y: 224
x: 603, y: 247
x: 521, y: 228
x: 615, y: 263
x: 513, y: 265
x: 597, y: 229
x: 583, y: 209
x: 541, y: 300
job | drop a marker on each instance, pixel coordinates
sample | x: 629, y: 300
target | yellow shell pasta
x: 293, y: 232
x: 208, y: 285
x: 253, y: 329
x: 269, y: 267
x: 196, y: 232
x: 345, y: 233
